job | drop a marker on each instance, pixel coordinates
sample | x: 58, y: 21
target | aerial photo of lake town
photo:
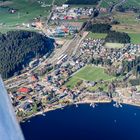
x: 56, y: 54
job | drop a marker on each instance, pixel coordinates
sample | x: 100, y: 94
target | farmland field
x: 25, y: 11
x: 104, y: 4
x: 59, y: 2
x: 88, y: 73
x: 126, y: 4
x: 135, y: 38
x: 127, y: 18
x: 107, y: 3
x: 4, y: 30
x: 129, y: 24
x: 127, y: 28
x: 132, y: 3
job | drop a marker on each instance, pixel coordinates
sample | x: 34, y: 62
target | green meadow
x: 88, y: 73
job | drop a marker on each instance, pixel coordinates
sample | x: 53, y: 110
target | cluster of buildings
x: 129, y: 95
x: 97, y: 48
x: 64, y: 29
x: 48, y: 91
x: 63, y: 70
x: 65, y: 12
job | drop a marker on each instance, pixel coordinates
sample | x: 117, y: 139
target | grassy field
x: 135, y: 38
x: 127, y: 28
x: 114, y: 45
x: 4, y: 30
x: 132, y: 3
x: 127, y: 4
x: 129, y: 24
x: 107, y: 3
x: 26, y: 11
x: 59, y: 2
x: 127, y: 18
x: 104, y: 4
x: 96, y: 35
x: 88, y: 73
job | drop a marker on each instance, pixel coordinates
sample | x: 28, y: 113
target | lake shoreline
x: 85, y: 122
x: 90, y: 102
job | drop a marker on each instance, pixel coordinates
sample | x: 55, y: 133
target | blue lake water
x: 103, y: 122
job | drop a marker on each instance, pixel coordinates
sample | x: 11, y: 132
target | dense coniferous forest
x: 117, y: 37
x: 98, y: 28
x: 86, y: 2
x: 18, y: 48
x: 112, y: 36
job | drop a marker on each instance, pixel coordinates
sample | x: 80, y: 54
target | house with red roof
x: 24, y: 90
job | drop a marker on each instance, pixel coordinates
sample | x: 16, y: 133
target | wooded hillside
x: 18, y: 48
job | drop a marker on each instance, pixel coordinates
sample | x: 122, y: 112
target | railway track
x: 70, y: 49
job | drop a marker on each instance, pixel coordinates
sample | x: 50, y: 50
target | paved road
x: 70, y: 48
x: 116, y: 5
x: 79, y: 42
x: 24, y: 75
